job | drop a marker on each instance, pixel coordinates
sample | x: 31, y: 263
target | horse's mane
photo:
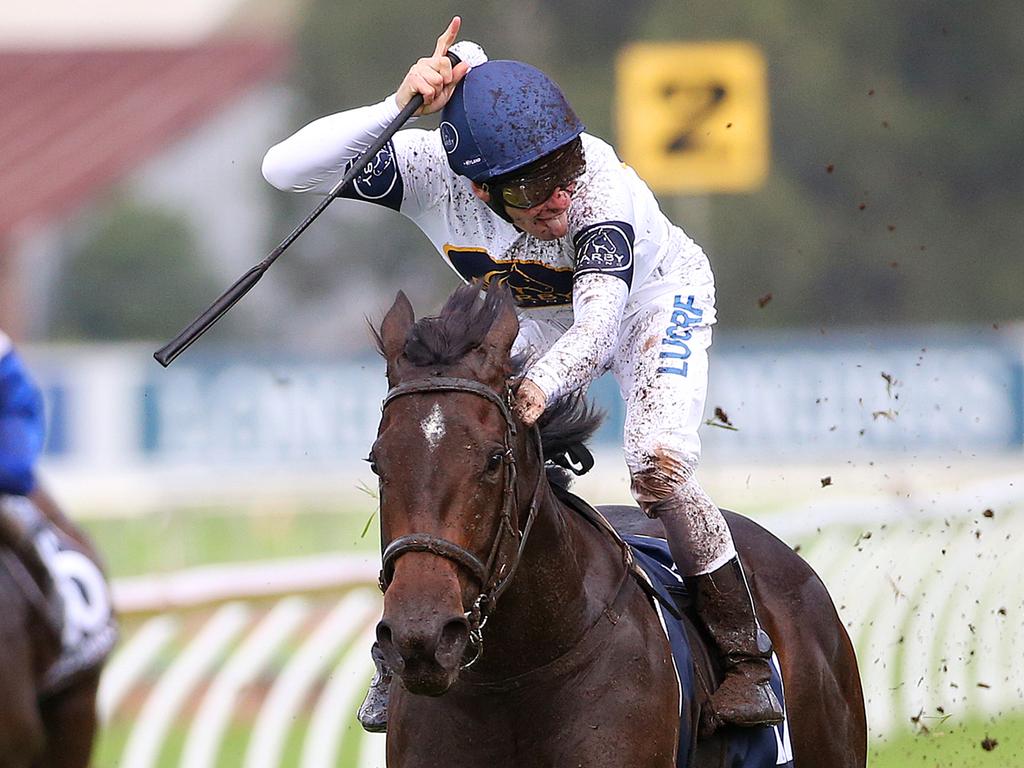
x: 460, y: 327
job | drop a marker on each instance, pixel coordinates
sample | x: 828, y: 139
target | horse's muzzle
x: 427, y: 661
x: 424, y: 632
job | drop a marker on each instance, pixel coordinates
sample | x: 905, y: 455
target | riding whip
x: 188, y: 335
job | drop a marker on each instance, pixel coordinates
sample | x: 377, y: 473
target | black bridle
x: 496, y: 573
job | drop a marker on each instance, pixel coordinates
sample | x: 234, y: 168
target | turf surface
x: 177, y: 539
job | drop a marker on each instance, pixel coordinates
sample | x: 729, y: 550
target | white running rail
x: 927, y: 588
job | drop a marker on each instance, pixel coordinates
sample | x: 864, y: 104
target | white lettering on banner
x: 790, y: 395
x: 795, y: 400
x: 248, y: 413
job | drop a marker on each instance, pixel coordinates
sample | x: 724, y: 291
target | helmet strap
x: 496, y: 204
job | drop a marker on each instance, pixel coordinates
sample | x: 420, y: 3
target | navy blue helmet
x: 504, y: 115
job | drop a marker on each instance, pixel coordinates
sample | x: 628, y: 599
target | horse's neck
x: 568, y: 575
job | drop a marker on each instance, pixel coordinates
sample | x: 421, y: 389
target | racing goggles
x: 539, y: 180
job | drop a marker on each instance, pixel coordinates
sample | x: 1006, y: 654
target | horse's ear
x: 505, y: 327
x: 394, y: 329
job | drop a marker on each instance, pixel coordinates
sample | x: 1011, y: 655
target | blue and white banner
x: 791, y: 396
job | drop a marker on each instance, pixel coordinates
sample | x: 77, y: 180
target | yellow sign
x: 693, y: 117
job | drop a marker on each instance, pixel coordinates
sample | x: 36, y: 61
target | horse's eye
x: 372, y: 461
x: 495, y: 460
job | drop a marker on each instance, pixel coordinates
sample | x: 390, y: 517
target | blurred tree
x: 896, y: 180
x: 127, y: 278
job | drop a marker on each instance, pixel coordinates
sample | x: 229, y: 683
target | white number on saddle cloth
x: 783, y: 747
x: 82, y: 587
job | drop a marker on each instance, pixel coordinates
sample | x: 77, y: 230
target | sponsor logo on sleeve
x: 606, y: 248
x: 378, y: 181
x: 379, y: 176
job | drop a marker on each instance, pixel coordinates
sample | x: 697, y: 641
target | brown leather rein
x: 496, y: 573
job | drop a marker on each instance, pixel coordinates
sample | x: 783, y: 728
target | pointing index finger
x: 447, y: 38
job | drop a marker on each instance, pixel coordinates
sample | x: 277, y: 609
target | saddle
x: 697, y: 665
x: 63, y: 586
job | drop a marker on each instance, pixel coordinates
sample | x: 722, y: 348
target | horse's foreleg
x: 624, y: 712
x: 69, y: 718
x: 21, y: 730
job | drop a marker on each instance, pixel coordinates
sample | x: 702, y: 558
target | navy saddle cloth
x: 761, y: 747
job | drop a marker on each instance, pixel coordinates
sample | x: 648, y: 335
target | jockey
x: 78, y: 608
x: 511, y: 187
x: 22, y: 429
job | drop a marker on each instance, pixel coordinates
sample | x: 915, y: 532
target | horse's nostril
x: 387, y: 645
x: 452, y: 642
x: 384, y: 634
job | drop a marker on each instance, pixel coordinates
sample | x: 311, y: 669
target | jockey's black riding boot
x: 373, y: 713
x: 724, y: 605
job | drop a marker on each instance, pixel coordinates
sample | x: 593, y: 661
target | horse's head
x: 449, y: 485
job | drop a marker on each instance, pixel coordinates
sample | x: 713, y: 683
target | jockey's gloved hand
x: 529, y: 402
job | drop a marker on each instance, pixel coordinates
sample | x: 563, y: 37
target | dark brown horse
x: 46, y: 720
x: 521, y: 612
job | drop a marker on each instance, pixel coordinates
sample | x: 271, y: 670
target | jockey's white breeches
x: 661, y: 366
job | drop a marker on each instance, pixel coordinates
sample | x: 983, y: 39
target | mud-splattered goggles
x: 538, y: 181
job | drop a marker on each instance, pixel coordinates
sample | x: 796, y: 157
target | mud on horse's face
x: 441, y: 456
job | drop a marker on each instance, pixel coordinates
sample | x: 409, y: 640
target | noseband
x: 494, y: 575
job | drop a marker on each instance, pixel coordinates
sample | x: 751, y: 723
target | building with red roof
x: 162, y: 121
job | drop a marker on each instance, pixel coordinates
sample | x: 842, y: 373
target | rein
x: 494, y: 574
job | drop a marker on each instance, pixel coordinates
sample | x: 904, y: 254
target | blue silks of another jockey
x: 22, y: 427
